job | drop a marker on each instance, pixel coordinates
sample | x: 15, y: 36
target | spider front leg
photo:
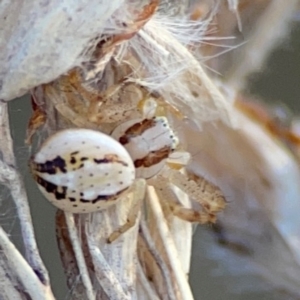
x: 138, y: 190
x: 37, y: 120
x: 171, y: 202
x: 117, y: 104
x: 102, y: 109
x: 209, y: 196
x: 61, y: 102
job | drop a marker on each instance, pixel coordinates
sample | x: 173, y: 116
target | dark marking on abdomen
x: 101, y: 161
x: 110, y: 158
x: 50, y: 166
x: 108, y: 197
x: 52, y: 188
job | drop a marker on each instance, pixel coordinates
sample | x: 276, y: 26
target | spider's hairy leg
x: 163, y: 106
x: 116, y: 104
x: 64, y: 108
x: 171, y: 202
x: 209, y: 196
x: 37, y: 120
x: 95, y: 103
x: 81, y: 89
x: 138, y: 189
x: 148, y: 107
x: 178, y: 159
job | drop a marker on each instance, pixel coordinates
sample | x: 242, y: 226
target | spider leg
x: 65, y: 110
x: 209, y: 196
x: 170, y: 200
x: 191, y: 215
x: 178, y: 159
x: 37, y: 120
x: 116, y: 103
x: 139, y: 190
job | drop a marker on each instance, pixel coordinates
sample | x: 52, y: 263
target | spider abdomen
x: 82, y: 170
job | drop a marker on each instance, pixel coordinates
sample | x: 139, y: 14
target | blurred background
x: 220, y: 272
x: 213, y: 274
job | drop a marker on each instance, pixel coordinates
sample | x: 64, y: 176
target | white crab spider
x: 82, y: 170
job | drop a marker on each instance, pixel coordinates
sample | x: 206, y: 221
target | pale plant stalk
x: 14, y: 265
x: 169, y: 244
x: 146, y: 291
x: 39, y: 285
x: 86, y: 280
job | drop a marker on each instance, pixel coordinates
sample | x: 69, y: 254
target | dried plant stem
x: 169, y: 245
x: 111, y: 267
x: 7, y: 287
x: 105, y: 274
x: 22, y: 271
x: 79, y: 256
x: 147, y: 290
x: 32, y: 254
x: 145, y: 234
x: 12, y: 179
